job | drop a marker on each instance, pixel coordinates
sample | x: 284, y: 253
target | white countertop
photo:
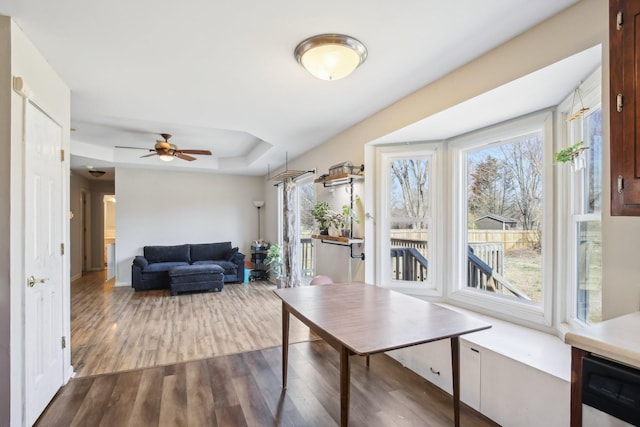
x: 617, y: 339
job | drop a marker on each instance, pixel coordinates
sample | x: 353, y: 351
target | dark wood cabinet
x: 624, y: 66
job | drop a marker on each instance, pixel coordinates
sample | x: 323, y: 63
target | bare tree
x: 412, y: 177
x: 523, y: 163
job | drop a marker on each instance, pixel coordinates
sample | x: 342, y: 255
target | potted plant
x: 274, y: 260
x: 323, y: 216
x: 343, y: 220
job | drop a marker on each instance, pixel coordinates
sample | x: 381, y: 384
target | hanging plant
x: 570, y: 153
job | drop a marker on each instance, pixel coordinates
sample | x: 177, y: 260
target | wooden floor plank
x: 200, y: 408
x: 173, y: 410
x: 94, y: 404
x: 120, y: 405
x: 67, y: 403
x: 146, y: 407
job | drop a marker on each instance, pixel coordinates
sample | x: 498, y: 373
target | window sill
x: 539, y: 350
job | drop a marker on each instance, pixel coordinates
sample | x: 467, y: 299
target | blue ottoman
x: 187, y: 278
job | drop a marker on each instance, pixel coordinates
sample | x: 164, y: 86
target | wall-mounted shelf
x: 339, y: 179
x: 336, y: 239
x: 341, y: 241
x: 336, y: 179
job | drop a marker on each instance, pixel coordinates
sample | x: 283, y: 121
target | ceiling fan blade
x: 149, y: 155
x: 203, y: 152
x: 184, y: 156
x: 132, y: 148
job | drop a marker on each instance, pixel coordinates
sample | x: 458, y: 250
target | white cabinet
x: 470, y: 362
x: 431, y: 361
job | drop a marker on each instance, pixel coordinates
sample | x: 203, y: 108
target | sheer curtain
x: 290, y: 236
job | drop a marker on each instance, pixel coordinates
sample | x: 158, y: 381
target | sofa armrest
x: 141, y: 262
x: 238, y: 260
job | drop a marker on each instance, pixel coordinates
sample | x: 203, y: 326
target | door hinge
x: 64, y: 342
x: 62, y: 155
x: 619, y: 21
x: 620, y: 184
x: 61, y: 248
x: 619, y: 104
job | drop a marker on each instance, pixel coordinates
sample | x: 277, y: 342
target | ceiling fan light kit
x: 167, y: 151
x: 330, y: 56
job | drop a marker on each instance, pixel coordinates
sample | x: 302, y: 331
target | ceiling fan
x: 167, y: 151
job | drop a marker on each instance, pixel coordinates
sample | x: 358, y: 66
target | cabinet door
x: 624, y: 46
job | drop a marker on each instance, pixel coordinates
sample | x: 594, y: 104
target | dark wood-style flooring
x: 244, y: 388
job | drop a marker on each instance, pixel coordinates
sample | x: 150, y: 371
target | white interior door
x: 43, y: 261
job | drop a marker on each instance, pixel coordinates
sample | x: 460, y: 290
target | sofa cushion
x: 210, y: 251
x: 228, y: 266
x: 163, y: 266
x: 232, y: 252
x: 179, y: 253
x: 195, y: 270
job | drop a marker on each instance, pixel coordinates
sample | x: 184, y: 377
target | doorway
x: 109, y: 203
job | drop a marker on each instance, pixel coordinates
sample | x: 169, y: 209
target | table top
x: 369, y: 319
x: 616, y: 339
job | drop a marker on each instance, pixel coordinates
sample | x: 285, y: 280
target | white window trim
x: 505, y: 307
x: 434, y: 285
x: 591, y: 91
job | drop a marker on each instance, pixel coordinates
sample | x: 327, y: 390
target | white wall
x: 171, y: 208
x: 5, y: 223
x: 18, y: 57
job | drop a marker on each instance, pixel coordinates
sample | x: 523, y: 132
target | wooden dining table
x: 361, y: 319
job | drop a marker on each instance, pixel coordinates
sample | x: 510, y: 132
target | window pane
x: 589, y: 269
x: 593, y: 140
x: 410, y: 216
x: 306, y: 202
x: 409, y: 252
x: 504, y: 218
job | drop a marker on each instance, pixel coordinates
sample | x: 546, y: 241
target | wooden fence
x: 509, y: 239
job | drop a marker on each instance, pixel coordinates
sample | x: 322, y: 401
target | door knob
x: 31, y: 281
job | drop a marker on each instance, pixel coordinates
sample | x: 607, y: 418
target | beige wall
x: 157, y: 207
x: 18, y: 57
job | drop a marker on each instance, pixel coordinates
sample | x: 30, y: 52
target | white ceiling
x: 222, y: 76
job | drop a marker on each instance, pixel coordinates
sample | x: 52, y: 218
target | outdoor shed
x: 495, y: 222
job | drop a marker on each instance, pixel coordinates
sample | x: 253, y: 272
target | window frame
x: 385, y: 154
x: 591, y: 97
x: 501, y: 306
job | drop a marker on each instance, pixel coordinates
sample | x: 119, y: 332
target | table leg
x: 576, y: 386
x: 345, y: 385
x: 455, y: 370
x: 285, y: 344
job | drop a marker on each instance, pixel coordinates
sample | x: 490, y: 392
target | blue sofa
x: 151, y: 270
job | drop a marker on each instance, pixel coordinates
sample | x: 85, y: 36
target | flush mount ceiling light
x: 97, y: 173
x: 330, y: 56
